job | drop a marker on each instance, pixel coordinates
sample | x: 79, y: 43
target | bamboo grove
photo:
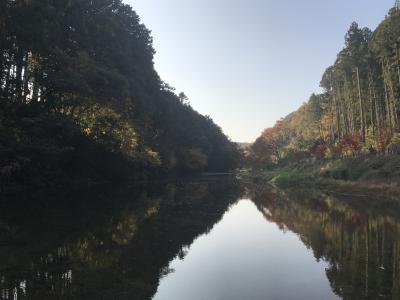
x: 359, y: 108
x: 77, y: 79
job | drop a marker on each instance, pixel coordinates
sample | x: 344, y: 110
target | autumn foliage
x: 351, y: 144
x: 359, y: 109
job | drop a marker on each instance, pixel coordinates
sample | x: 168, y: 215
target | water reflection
x: 358, y: 237
x: 104, y: 244
x: 194, y: 240
x: 245, y: 257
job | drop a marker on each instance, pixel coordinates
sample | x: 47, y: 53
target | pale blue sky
x: 247, y: 63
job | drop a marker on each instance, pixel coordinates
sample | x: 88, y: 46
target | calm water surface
x: 200, y: 239
x: 246, y: 256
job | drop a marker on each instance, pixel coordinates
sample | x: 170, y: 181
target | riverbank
x: 363, y: 175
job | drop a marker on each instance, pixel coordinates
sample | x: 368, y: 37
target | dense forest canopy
x: 358, y: 110
x: 77, y: 82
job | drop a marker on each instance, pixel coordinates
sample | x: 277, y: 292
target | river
x: 198, y: 239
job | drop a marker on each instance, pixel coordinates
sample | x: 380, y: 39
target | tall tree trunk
x: 18, y: 76
x: 378, y: 115
x: 26, y: 78
x: 392, y: 98
x: 387, y: 105
x: 362, y: 114
x: 8, y: 82
x: 337, y: 114
x: 345, y: 114
x: 349, y: 105
x: 372, y: 104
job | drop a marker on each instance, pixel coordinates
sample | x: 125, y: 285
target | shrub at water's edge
x: 363, y: 175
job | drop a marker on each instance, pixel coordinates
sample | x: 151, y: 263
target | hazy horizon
x: 269, y: 55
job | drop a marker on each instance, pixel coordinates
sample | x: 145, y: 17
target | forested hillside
x: 358, y: 112
x: 79, y: 93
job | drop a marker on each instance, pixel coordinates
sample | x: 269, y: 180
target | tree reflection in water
x: 358, y: 237
x: 117, y: 243
x: 104, y: 244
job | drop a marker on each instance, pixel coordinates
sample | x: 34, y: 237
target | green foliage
x: 90, y: 64
x: 194, y: 159
x: 292, y: 178
x: 108, y: 128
